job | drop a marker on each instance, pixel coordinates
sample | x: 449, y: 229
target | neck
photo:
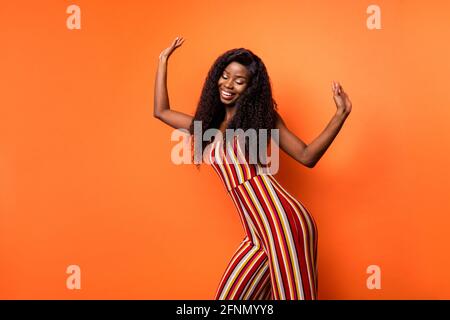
x: 229, y: 112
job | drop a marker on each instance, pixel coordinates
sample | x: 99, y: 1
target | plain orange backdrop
x: 85, y: 170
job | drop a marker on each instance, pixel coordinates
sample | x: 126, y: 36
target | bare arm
x: 309, y: 155
x: 161, y: 108
x: 317, y: 148
x: 290, y: 143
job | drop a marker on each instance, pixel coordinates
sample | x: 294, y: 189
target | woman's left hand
x: 343, y: 103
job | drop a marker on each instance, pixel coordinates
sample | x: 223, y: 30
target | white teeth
x: 226, y: 94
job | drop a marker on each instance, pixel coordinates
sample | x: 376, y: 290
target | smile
x: 227, y: 95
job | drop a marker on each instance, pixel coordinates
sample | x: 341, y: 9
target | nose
x: 229, y: 84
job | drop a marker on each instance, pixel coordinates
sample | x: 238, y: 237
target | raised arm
x: 290, y: 143
x: 161, y: 108
x: 309, y: 155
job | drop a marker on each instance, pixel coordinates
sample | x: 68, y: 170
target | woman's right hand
x: 165, y: 54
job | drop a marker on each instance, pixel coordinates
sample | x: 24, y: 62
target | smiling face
x: 233, y: 82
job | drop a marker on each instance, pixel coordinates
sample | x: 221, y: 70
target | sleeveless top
x: 233, y: 167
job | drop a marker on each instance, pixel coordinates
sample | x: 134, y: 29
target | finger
x: 176, y: 45
x: 336, y: 88
x: 179, y: 43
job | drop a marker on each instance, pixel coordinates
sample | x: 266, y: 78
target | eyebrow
x: 238, y: 76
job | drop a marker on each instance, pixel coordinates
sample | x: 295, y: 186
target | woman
x: 278, y: 257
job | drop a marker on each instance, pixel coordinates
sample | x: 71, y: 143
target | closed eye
x: 240, y: 83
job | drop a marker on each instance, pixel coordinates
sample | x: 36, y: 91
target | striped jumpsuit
x: 277, y: 259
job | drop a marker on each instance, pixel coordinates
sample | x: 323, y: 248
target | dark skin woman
x: 277, y: 258
x: 235, y: 80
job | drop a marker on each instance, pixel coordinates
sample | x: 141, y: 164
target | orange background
x: 85, y: 170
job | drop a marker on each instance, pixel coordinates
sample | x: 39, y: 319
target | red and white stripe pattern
x: 278, y: 257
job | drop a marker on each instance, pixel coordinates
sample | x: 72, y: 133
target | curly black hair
x: 255, y: 108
